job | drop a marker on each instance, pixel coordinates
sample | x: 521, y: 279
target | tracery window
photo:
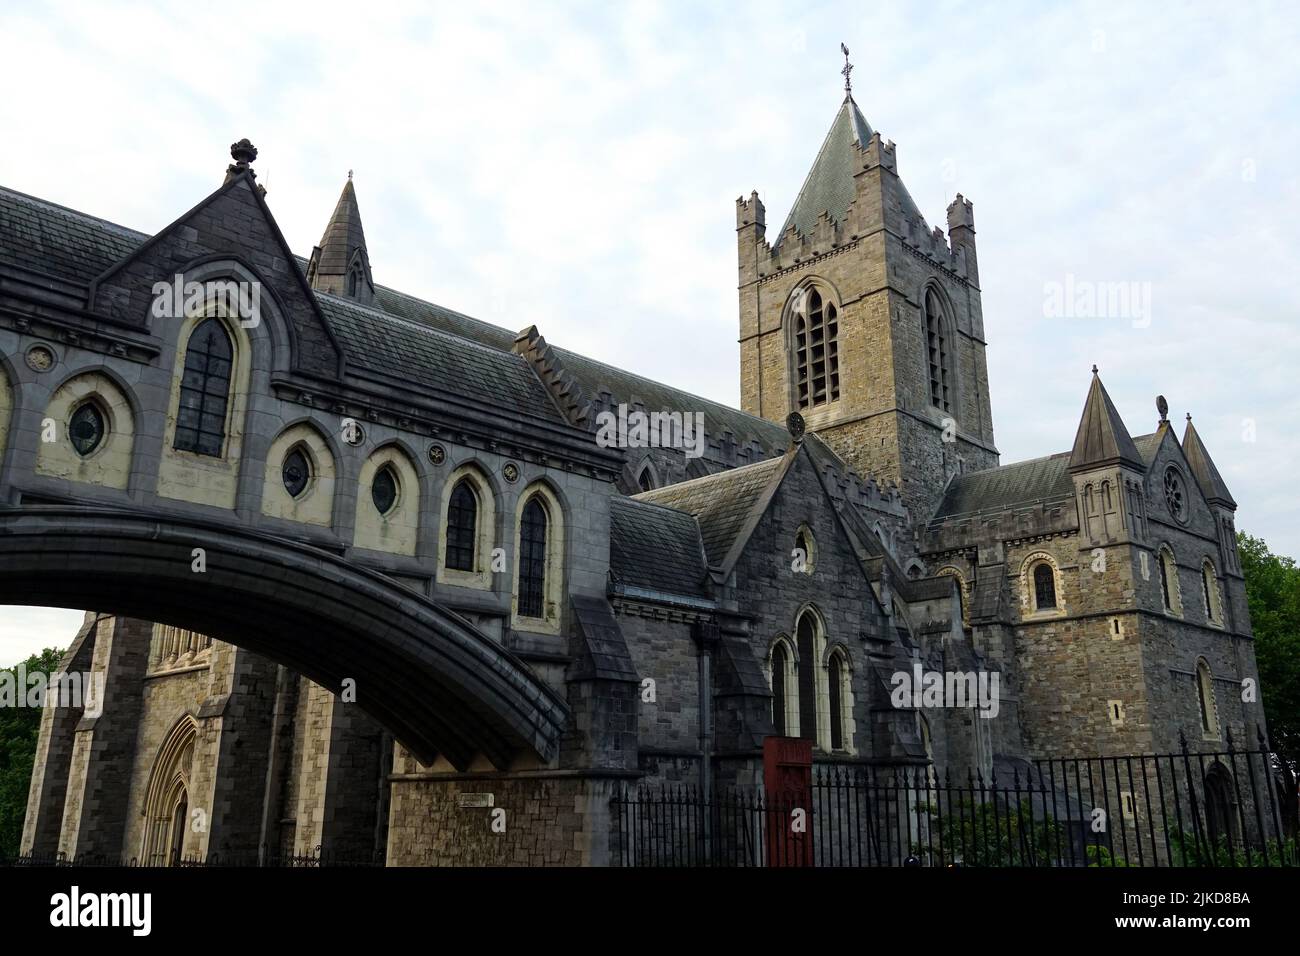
x: 205, y: 391
x: 816, y: 349
x: 938, y: 351
x: 462, y: 526
x: 532, y: 559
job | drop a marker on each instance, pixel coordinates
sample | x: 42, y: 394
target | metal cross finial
x: 848, y: 69
x: 349, y: 175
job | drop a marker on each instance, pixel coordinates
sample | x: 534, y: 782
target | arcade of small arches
x: 88, y: 437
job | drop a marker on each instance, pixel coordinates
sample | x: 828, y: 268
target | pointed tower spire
x: 1102, y: 438
x: 340, y: 265
x: 1202, y: 465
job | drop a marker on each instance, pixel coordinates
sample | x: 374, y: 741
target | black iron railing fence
x: 266, y: 858
x: 1229, y: 807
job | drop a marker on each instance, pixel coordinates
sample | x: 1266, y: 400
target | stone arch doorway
x: 167, y: 800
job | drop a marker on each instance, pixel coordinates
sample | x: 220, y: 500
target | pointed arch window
x: 938, y: 350
x: 1170, y: 595
x: 807, y: 640
x: 1210, y: 592
x: 462, y: 526
x: 205, y: 391
x: 532, y: 559
x: 1205, y: 698
x: 646, y: 479
x: 835, y: 695
x: 780, y: 668
x: 816, y: 349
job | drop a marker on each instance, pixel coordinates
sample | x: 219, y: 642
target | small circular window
x: 383, y: 490
x: 86, y: 429
x: 295, y: 472
x: 1174, y: 495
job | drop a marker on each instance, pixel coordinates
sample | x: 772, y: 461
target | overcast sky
x: 576, y: 166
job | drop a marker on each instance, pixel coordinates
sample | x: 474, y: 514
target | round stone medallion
x: 437, y: 454
x: 510, y: 472
x: 40, y: 358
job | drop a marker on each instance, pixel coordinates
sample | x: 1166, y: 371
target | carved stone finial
x: 1162, y: 407
x: 349, y: 175
x: 243, y: 153
x: 1094, y: 368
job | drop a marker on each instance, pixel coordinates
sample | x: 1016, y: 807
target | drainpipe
x: 274, y: 764
x: 706, y: 638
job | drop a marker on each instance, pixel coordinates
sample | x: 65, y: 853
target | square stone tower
x: 866, y: 322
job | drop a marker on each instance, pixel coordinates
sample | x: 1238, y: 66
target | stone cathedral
x: 851, y: 520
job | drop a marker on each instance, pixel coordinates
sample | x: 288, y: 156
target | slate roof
x: 1003, y: 487
x: 48, y: 238
x: 1102, y: 437
x: 721, y: 503
x: 1023, y: 482
x: 420, y: 355
x: 655, y: 548
x: 829, y: 187
x: 1207, y: 475
x: 594, y: 377
x: 52, y: 239
x: 343, y: 235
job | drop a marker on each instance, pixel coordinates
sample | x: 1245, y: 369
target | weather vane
x: 848, y: 69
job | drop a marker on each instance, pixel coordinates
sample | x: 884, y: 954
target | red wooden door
x: 787, y: 777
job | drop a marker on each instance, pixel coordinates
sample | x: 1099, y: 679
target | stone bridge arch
x: 439, y: 685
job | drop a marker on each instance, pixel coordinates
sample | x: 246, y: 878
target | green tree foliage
x: 1273, y: 594
x: 19, y: 727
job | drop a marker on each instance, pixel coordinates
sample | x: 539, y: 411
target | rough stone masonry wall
x: 664, y: 651
x: 768, y: 588
x: 548, y: 820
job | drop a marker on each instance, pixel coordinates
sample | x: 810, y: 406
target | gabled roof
x: 1207, y: 475
x: 655, y: 549
x: 343, y: 235
x: 829, y: 187
x: 44, y: 237
x: 726, y: 505
x: 1102, y: 438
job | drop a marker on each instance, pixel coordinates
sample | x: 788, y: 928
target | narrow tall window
x: 1205, y: 697
x: 937, y: 348
x: 1167, y: 571
x: 205, y: 391
x: 780, y: 661
x: 646, y: 480
x: 532, y: 560
x: 816, y: 348
x: 836, y: 701
x: 807, y: 679
x: 462, y: 527
x: 1044, y: 587
x: 1210, y: 587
